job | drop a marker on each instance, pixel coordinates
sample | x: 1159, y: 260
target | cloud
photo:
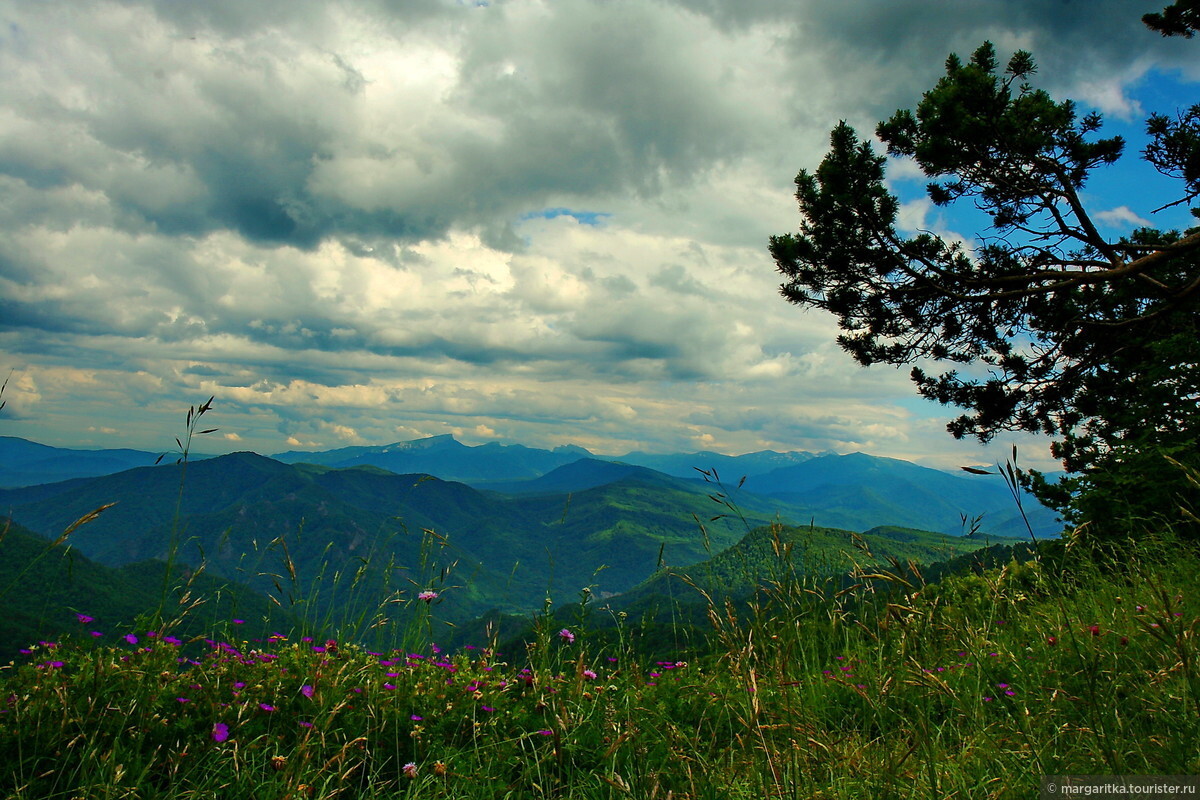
x: 545, y: 222
x: 1122, y: 216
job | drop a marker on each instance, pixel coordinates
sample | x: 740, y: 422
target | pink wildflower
x: 220, y: 732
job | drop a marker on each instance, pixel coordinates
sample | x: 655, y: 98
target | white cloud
x: 1122, y: 216
x: 328, y: 215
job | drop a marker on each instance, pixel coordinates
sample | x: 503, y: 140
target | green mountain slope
x: 764, y: 553
x: 42, y: 589
x: 348, y: 537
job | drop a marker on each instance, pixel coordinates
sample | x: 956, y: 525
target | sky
x: 536, y: 222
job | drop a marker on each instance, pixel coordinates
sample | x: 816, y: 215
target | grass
x: 973, y: 687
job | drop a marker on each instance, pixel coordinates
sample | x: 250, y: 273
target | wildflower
x: 427, y: 596
x: 266, y: 707
x: 96, y: 634
x: 416, y: 718
x: 306, y: 690
x: 1094, y: 630
x: 1050, y: 640
x: 589, y: 674
x: 84, y: 618
x: 129, y: 637
x: 183, y: 699
x: 278, y: 762
x: 239, y: 622
x: 220, y: 732
x: 439, y: 768
x: 566, y: 635
x: 410, y: 770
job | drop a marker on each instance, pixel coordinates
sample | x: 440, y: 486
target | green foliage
x: 43, y: 586
x: 1066, y: 332
x: 1181, y: 18
x: 974, y: 686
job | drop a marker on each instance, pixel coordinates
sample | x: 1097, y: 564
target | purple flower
x: 566, y: 635
x: 410, y: 770
x: 416, y: 718
x: 266, y: 707
x: 220, y: 732
x: 129, y: 637
x: 306, y: 690
x: 427, y: 596
x: 84, y: 618
x: 589, y: 674
x: 97, y: 634
x: 183, y: 699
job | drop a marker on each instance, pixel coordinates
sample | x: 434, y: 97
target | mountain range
x: 855, y: 491
x: 351, y: 541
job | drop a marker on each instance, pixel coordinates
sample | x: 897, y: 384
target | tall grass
x: 972, y: 687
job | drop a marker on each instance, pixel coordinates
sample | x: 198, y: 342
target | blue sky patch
x: 593, y: 218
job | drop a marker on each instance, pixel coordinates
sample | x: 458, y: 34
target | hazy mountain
x: 447, y: 458
x: 26, y: 463
x: 586, y: 473
x: 859, y: 491
x: 728, y: 468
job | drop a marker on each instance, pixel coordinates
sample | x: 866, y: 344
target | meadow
x: 1082, y: 660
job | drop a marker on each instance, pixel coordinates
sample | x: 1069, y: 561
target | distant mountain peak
x: 428, y: 443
